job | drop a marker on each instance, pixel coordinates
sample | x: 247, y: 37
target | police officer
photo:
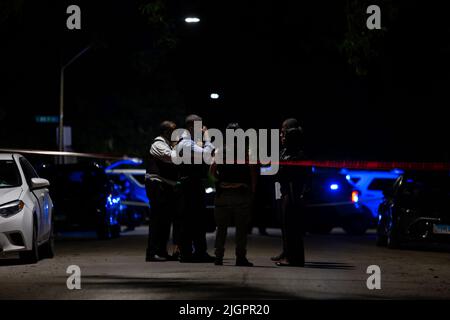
x: 161, y: 183
x: 193, y: 226
x: 293, y: 181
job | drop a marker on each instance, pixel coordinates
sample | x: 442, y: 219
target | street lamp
x: 61, y: 101
x: 192, y: 20
x: 214, y: 96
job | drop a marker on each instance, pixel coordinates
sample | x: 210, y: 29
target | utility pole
x: 61, y: 101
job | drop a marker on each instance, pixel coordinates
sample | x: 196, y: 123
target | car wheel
x: 48, y: 248
x: 393, y: 241
x: 355, y: 226
x: 31, y: 256
x: 381, y: 235
x: 393, y: 236
x: 381, y: 240
x: 115, y: 231
x: 321, y: 229
x: 104, y: 232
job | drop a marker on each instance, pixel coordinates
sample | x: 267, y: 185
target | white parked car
x: 26, y: 210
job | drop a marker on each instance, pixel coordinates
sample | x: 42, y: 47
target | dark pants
x: 164, y: 212
x: 192, y: 218
x: 292, y: 229
x: 232, y: 205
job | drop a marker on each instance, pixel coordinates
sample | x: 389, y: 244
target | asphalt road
x: 336, y: 269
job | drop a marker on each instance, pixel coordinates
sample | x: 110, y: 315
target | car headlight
x: 11, y: 208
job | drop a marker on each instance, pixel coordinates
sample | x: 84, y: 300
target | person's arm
x: 162, y: 151
x: 198, y: 153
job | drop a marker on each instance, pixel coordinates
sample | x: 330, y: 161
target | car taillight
x: 355, y: 196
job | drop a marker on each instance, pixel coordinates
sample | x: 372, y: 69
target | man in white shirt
x: 161, y: 181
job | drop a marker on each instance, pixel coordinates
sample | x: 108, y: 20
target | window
x: 381, y: 184
x: 139, y: 178
x: 9, y: 174
x: 28, y: 170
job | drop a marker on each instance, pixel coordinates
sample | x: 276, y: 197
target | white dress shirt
x: 162, y: 150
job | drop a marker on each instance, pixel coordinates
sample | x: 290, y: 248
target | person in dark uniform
x: 161, y: 186
x: 193, y: 215
x: 260, y: 212
x: 235, y: 188
x: 293, y: 181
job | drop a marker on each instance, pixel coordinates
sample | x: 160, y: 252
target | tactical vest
x: 166, y: 170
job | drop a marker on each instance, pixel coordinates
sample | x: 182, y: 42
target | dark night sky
x: 267, y: 59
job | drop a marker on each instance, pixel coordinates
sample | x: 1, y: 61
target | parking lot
x: 335, y: 269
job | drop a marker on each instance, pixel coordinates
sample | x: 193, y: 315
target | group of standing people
x: 177, y: 197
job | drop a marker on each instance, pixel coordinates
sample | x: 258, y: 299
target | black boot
x: 279, y: 257
x: 243, y: 262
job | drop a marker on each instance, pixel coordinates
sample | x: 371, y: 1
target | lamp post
x: 61, y: 101
x: 192, y: 20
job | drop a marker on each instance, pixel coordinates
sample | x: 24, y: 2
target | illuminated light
x: 192, y: 20
x: 209, y: 190
x: 355, y: 196
x: 265, y: 169
x: 334, y: 186
x: 214, y: 96
x: 348, y: 177
x: 109, y: 200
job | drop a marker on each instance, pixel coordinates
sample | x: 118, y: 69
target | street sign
x: 47, y: 119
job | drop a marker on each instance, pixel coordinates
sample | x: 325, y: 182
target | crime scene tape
x: 339, y: 164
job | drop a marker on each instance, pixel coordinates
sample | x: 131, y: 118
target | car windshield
x: 73, y: 181
x: 436, y: 188
x: 9, y: 174
x: 381, y: 184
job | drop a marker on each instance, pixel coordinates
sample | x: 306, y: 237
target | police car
x: 371, y: 183
x: 130, y: 175
x: 332, y: 201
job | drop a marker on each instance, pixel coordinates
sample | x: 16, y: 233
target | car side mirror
x: 39, y: 183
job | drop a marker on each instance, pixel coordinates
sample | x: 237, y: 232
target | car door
x: 374, y: 192
x: 43, y: 200
x: 391, y: 201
